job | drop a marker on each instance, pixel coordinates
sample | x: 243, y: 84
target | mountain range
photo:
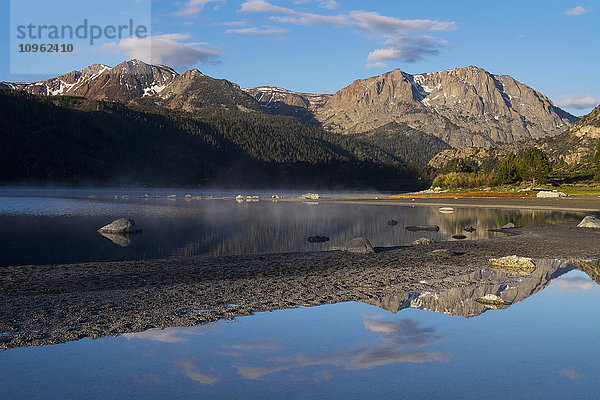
x: 461, y: 107
x: 392, y: 118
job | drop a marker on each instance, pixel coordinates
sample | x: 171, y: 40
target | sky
x: 321, y: 46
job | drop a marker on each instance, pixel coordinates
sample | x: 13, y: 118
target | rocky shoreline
x: 52, y: 304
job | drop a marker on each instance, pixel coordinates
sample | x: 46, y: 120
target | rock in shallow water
x: 318, y: 239
x: 358, y: 245
x: 121, y: 225
x: 120, y: 239
x: 589, y: 222
x: 427, y: 228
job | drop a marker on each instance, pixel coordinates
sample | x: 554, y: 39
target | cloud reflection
x: 402, y: 342
x: 570, y: 373
x: 267, y: 344
x: 167, y: 335
x: 192, y: 371
x: 573, y: 284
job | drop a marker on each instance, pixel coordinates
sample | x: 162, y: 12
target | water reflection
x: 397, y: 342
x: 346, y: 350
x: 64, y: 230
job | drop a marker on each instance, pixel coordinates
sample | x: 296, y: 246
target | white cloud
x: 379, y: 64
x: 576, y: 11
x: 169, y: 49
x: 328, y: 4
x: 372, y: 22
x: 264, y: 6
x: 195, y: 7
x: 271, y: 33
x: 234, y: 23
x: 577, y: 102
x: 395, y: 32
x: 407, y: 48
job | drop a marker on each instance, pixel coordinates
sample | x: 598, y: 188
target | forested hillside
x: 63, y: 139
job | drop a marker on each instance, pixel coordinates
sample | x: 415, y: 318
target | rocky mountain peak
x: 463, y: 106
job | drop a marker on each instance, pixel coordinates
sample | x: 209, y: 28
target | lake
x: 439, y: 344
x: 44, y: 226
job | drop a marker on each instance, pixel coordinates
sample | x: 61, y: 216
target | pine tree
x: 534, y: 165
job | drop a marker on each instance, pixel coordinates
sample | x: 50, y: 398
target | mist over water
x: 42, y: 226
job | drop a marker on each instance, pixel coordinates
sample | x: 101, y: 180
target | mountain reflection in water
x: 64, y: 230
x: 542, y: 346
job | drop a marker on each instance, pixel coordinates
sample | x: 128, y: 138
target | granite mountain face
x: 576, y: 146
x: 459, y: 108
x: 124, y: 82
x: 136, y: 81
x: 463, y: 106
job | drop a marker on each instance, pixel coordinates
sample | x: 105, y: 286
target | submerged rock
x: 589, y: 222
x: 423, y: 241
x: 509, y: 226
x: 121, y: 225
x: 392, y: 222
x: 459, y: 236
x: 469, y: 229
x: 429, y: 228
x: 358, y: 245
x: 318, y: 239
x: 516, y: 263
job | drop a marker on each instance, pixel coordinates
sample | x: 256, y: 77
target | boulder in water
x: 589, y: 222
x: 121, y: 225
x: 318, y: 239
x: 120, y: 239
x: 427, y: 228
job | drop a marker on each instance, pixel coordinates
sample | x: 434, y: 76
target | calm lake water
x: 41, y: 226
x: 440, y: 345
x: 544, y: 347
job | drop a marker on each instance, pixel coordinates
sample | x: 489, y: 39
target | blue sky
x: 323, y: 45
